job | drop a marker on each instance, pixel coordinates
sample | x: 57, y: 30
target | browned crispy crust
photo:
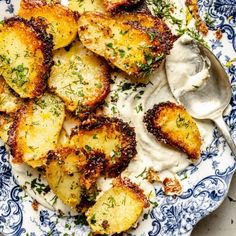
x: 93, y: 169
x: 59, y: 154
x: 128, y: 145
x: 110, y: 6
x: 193, y: 8
x: 91, y: 165
x: 13, y: 134
x: 152, y: 115
x: 126, y: 183
x: 172, y: 186
x: 28, y: 5
x: 44, y: 44
x: 106, y: 83
x: 155, y: 27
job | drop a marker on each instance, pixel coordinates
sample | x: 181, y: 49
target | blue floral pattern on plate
x: 204, y: 189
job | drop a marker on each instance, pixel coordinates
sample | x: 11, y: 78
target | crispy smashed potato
x: 112, y: 5
x: 124, y: 45
x: 63, y: 175
x: 117, y: 209
x: 25, y: 56
x: 36, y: 129
x: 62, y: 21
x: 111, y: 136
x: 172, y: 124
x: 155, y: 27
x: 9, y: 101
x: 79, y: 78
x: 87, y: 5
x: 5, y: 124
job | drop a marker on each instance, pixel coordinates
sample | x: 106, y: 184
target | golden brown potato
x: 36, y: 129
x: 9, y: 101
x: 112, y: 5
x: 117, y: 209
x: 172, y: 124
x: 25, y: 56
x: 111, y: 136
x: 63, y: 175
x: 125, y: 45
x: 79, y: 78
x: 62, y: 21
x: 87, y: 5
x: 155, y: 27
x: 5, y: 124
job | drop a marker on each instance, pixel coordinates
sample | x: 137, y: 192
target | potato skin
x: 28, y: 32
x: 118, y: 208
x: 62, y: 22
x: 113, y: 137
x: 171, y: 124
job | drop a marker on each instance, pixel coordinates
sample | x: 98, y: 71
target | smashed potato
x: 36, y: 129
x: 155, y: 27
x: 87, y: 5
x: 62, y: 21
x: 5, y: 124
x: 9, y: 101
x: 172, y: 124
x: 63, y: 175
x: 111, y: 136
x: 79, y: 78
x: 25, y: 56
x: 112, y: 5
x: 117, y: 209
x: 124, y: 45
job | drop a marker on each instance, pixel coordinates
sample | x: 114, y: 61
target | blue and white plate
x: 206, y: 184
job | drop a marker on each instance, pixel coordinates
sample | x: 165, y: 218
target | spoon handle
x: 225, y: 131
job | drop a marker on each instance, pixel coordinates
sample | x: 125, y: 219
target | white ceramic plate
x: 206, y: 184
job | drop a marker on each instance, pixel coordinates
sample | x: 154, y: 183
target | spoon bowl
x: 210, y: 99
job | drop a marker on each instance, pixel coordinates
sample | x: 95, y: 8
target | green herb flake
x: 87, y: 148
x: 182, y: 122
x: 122, y: 53
x: 93, y: 219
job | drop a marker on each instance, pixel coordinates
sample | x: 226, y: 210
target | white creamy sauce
x: 186, y: 68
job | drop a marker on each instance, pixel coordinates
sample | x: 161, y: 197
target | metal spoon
x: 210, y: 100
